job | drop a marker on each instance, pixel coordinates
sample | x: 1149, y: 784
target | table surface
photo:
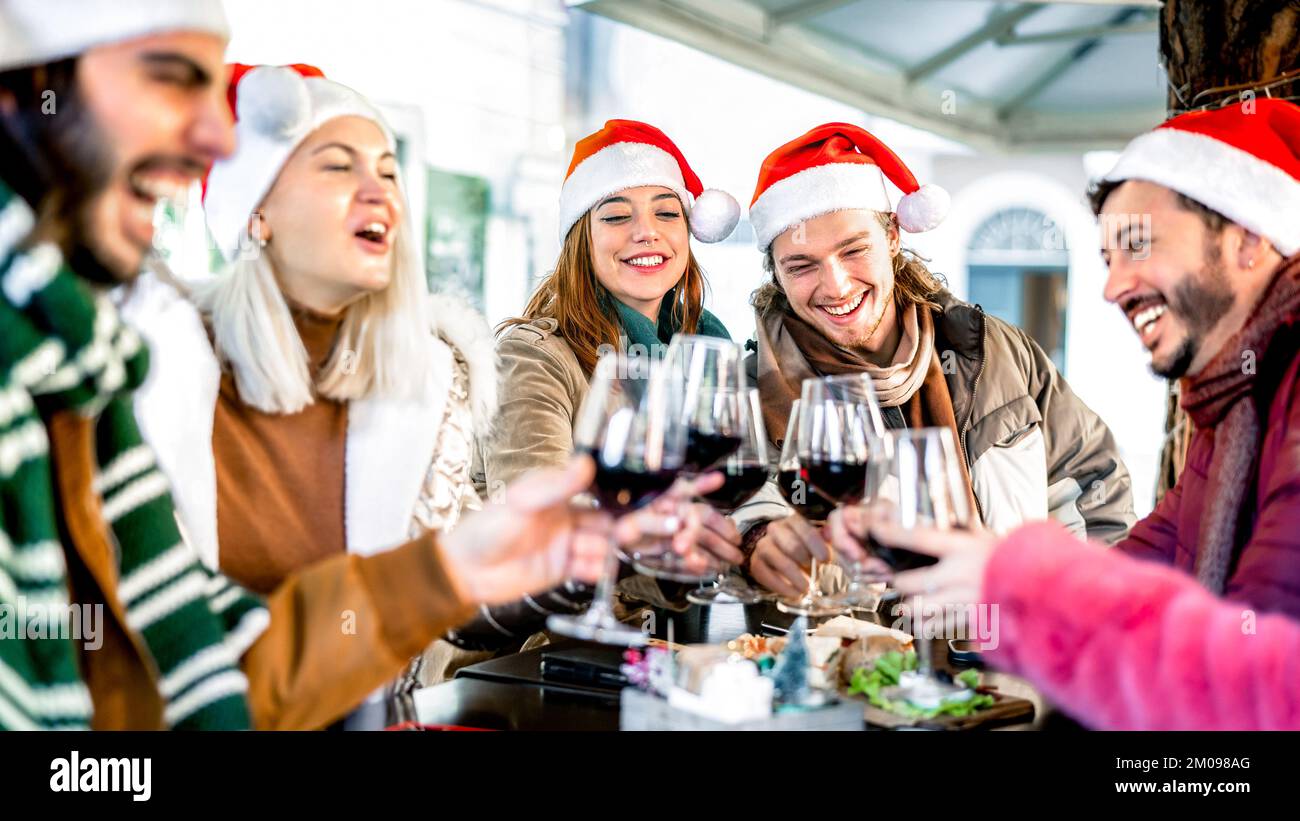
x: 499, y: 705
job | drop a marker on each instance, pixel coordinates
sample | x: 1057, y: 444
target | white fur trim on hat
x: 274, y: 101
x: 714, y: 216
x: 923, y: 209
x: 278, y: 109
x: 816, y: 191
x: 33, y: 32
x: 615, y: 168
x: 1255, y: 194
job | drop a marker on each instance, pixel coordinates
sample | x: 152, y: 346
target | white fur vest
x: 404, y: 467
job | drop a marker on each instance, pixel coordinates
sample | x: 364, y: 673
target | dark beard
x: 81, y: 147
x: 1201, y: 301
x: 1180, y: 363
x: 57, y: 162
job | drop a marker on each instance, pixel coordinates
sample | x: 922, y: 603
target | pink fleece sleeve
x: 1122, y: 644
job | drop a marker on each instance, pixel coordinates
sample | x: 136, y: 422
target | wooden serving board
x: 1006, y: 710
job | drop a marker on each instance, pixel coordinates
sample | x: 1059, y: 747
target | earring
x: 1251, y: 264
x: 256, y: 230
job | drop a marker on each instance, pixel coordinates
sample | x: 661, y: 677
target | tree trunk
x: 1213, y: 50
x: 1209, y: 44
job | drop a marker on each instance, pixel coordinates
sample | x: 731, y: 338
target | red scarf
x: 1222, y: 397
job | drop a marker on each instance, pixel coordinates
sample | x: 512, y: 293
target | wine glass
x: 845, y: 451
x: 926, y: 488
x: 712, y: 371
x: 839, y: 427
x: 931, y: 493
x: 793, y: 479
x: 838, y: 419
x: 745, y: 473
x: 790, y: 479
x: 711, y: 376
x: 864, y: 590
x: 630, y: 427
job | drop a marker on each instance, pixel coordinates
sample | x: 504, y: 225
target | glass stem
x: 724, y: 569
x: 924, y: 651
x: 602, y: 602
x: 814, y: 584
x: 681, y: 510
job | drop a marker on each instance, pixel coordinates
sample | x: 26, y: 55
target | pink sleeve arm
x: 1124, y: 644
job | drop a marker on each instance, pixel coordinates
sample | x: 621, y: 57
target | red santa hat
x: 838, y: 167
x: 1242, y: 161
x: 34, y: 32
x: 276, y: 108
x: 629, y: 154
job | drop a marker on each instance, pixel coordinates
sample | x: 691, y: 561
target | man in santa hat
x: 1200, y: 224
x: 844, y: 297
x: 105, y: 109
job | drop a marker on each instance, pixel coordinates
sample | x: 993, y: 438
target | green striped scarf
x: 63, y: 347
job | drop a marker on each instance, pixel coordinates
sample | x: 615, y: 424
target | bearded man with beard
x: 1200, y: 229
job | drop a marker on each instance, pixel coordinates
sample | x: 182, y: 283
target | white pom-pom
x: 923, y: 209
x: 714, y: 215
x: 274, y: 100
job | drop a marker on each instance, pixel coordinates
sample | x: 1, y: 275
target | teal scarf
x: 63, y: 348
x: 639, y: 330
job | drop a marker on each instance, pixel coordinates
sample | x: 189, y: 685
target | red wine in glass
x: 899, y: 559
x: 843, y: 482
x: 740, y: 481
x: 704, y: 450
x: 926, y: 464
x: 802, y: 496
x: 620, y: 489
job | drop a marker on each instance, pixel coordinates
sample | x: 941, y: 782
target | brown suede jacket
x: 338, y: 629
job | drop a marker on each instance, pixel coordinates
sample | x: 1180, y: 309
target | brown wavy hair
x: 914, y: 282
x: 582, y: 307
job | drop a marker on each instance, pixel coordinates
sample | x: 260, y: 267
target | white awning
x: 1043, y: 75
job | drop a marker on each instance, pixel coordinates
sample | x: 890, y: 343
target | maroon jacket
x: 1266, y: 569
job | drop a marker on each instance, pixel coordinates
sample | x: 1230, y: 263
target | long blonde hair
x: 575, y: 299
x: 383, y: 346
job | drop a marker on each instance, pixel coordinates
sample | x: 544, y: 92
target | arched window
x: 1019, y: 268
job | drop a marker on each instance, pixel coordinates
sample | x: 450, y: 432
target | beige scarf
x: 790, y: 351
x: 901, y: 379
